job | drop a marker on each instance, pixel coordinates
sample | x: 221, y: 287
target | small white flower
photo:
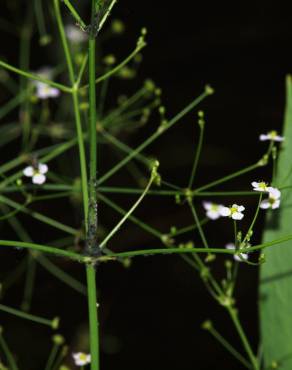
x: 44, y: 91
x: 235, y: 212
x: 260, y: 186
x: 75, y: 34
x: 272, y: 136
x: 37, y: 173
x: 213, y: 210
x: 81, y: 358
x: 274, y: 199
x: 237, y: 257
x: 274, y: 193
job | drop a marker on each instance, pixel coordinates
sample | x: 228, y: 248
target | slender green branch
x: 119, y: 66
x: 44, y: 249
x: 149, y: 252
x: 128, y: 214
x: 226, y: 344
x: 39, y: 216
x: 199, y: 226
x: 35, y: 77
x: 61, y: 275
x: 106, y: 14
x: 10, y: 359
x: 134, y: 219
x: 228, y: 177
x: 197, y: 154
x: 250, y: 229
x: 13, y: 311
x: 74, y: 13
x: 234, y: 316
x: 75, y: 98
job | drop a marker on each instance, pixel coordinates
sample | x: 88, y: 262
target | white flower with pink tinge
x: 235, y: 212
x: 238, y: 257
x: 274, y: 199
x: 37, y: 173
x: 271, y: 136
x: 212, y: 210
x: 81, y: 359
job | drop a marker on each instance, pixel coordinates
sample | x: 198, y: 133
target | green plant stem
x: 12, y: 104
x: 228, y: 177
x: 91, y: 226
x: 44, y: 249
x: 114, y: 70
x: 10, y: 359
x: 39, y: 216
x: 93, y: 316
x: 229, y: 347
x: 29, y: 283
x: 149, y: 252
x: 74, y: 91
x: 92, y: 212
x: 35, y: 77
x: 52, y: 356
x: 127, y: 215
x: 253, y: 221
x: 26, y: 316
x: 199, y: 226
x: 197, y: 156
x: 61, y: 275
x: 74, y: 13
x: 234, y: 316
x: 134, y: 219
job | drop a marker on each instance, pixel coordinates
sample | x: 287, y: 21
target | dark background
x: 151, y: 313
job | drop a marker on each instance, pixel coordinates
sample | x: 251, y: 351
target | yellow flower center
x: 262, y: 185
x: 273, y: 134
x: 82, y: 357
x: 233, y: 210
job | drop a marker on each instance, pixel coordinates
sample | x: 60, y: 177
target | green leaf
x: 276, y: 274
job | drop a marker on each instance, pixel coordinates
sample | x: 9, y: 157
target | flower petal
x: 212, y: 214
x: 43, y: 168
x: 28, y: 171
x: 265, y: 204
x: 276, y: 204
x: 225, y: 211
x: 38, y: 178
x: 237, y: 216
x: 207, y: 205
x: 264, y: 137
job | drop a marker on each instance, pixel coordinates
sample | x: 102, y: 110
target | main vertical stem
x: 93, y: 317
x: 92, y: 245
x: 89, y: 193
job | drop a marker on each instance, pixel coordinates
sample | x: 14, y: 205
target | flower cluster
x: 214, y: 211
